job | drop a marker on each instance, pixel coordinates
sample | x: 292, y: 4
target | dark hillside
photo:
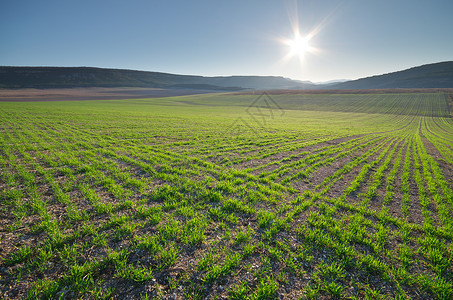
x: 438, y: 75
x: 68, y: 77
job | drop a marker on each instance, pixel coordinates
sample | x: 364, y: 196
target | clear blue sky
x: 355, y: 38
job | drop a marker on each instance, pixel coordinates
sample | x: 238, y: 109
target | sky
x: 348, y: 39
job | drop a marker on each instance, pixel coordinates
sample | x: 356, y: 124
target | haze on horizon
x: 306, y: 40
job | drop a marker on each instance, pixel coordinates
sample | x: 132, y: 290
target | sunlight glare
x: 299, y: 46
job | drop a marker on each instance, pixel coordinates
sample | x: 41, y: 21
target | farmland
x: 228, y: 195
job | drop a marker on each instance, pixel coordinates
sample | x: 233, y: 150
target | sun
x: 299, y: 46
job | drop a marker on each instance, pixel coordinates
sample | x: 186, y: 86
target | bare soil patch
x: 72, y: 94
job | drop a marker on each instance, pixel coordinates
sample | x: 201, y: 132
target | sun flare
x: 299, y: 46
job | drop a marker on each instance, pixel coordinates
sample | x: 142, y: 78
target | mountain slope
x: 61, y: 77
x: 437, y: 75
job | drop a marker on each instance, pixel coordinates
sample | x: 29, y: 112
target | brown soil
x: 71, y: 94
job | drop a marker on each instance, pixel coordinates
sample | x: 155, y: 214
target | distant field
x: 243, y: 196
x: 69, y: 94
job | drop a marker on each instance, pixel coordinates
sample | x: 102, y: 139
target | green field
x: 222, y: 195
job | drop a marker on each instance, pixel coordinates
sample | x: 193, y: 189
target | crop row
x: 101, y: 205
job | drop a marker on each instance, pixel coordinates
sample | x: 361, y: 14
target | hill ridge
x: 435, y: 75
x: 63, y: 77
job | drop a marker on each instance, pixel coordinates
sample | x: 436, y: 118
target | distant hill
x: 437, y: 75
x: 65, y: 77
